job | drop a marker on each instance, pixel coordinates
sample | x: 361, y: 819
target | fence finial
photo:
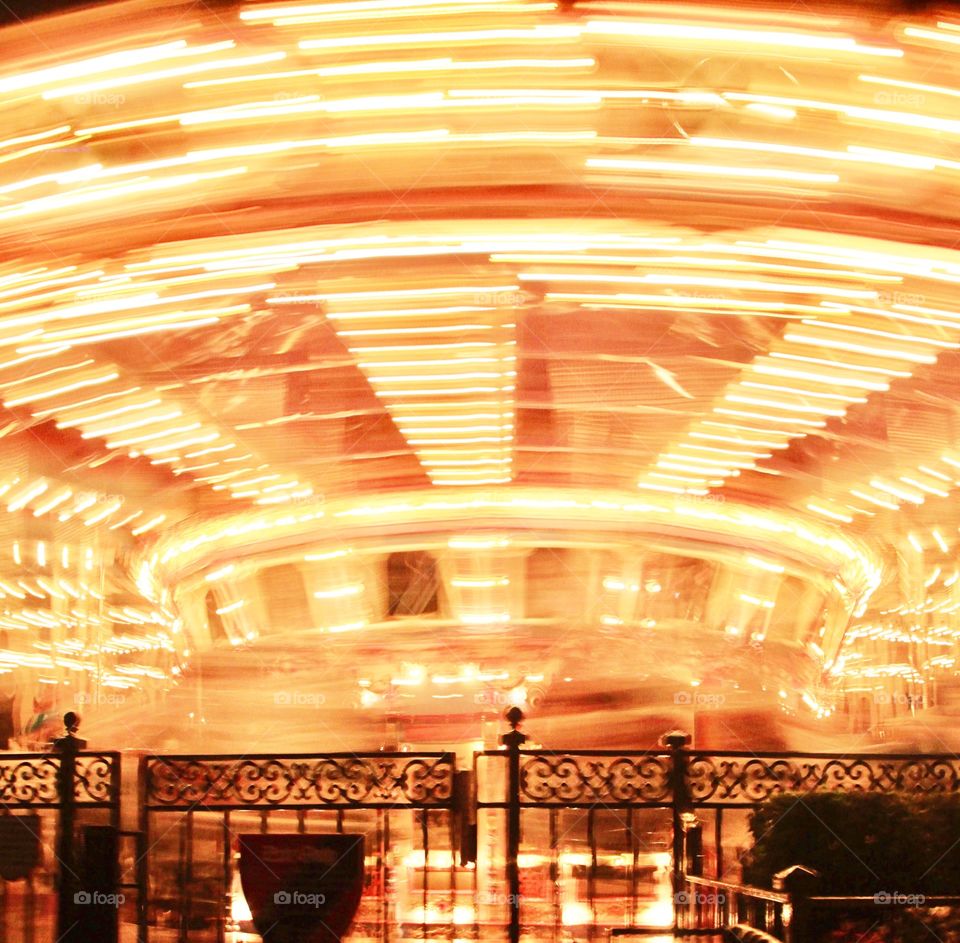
x: 676, y: 739
x: 514, y: 739
x: 70, y: 742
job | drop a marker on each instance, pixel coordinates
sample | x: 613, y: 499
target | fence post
x: 799, y: 883
x: 67, y: 879
x: 513, y: 741
x: 677, y: 741
x: 143, y: 843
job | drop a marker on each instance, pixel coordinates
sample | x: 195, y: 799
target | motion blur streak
x: 289, y: 289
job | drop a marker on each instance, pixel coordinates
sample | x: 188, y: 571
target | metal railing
x: 62, y: 785
x: 706, y: 905
x: 788, y: 913
x: 194, y: 807
x: 420, y: 801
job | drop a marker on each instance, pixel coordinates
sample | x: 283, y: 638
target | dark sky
x: 16, y: 11
x: 12, y: 11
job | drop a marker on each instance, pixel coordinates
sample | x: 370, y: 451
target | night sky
x: 13, y: 11
x: 18, y: 11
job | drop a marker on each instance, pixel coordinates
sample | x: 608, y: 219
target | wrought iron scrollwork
x: 373, y: 780
x: 94, y: 778
x: 560, y: 779
x: 29, y: 779
x: 745, y: 780
x: 32, y: 779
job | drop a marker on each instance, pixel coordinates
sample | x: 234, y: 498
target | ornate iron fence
x: 534, y: 838
x: 194, y: 808
x: 31, y: 780
x: 614, y: 790
x: 577, y: 778
x: 332, y: 780
x: 743, y: 778
x: 56, y: 796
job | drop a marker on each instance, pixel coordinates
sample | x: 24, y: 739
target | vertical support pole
x: 386, y: 881
x: 67, y: 880
x: 677, y: 741
x: 185, y: 888
x: 634, y: 846
x: 718, y: 842
x: 143, y: 843
x: 592, y: 874
x: 555, y: 874
x: 226, y: 863
x: 799, y: 883
x: 513, y: 741
x: 425, y: 844
x: 30, y: 911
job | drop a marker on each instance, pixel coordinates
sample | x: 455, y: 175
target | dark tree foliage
x: 865, y: 845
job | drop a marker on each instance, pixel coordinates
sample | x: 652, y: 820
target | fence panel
x: 595, y: 842
x: 34, y: 810
x: 538, y: 844
x: 194, y: 808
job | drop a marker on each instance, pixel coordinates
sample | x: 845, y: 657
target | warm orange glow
x: 441, y: 309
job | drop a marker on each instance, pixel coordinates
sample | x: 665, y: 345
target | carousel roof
x: 264, y: 259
